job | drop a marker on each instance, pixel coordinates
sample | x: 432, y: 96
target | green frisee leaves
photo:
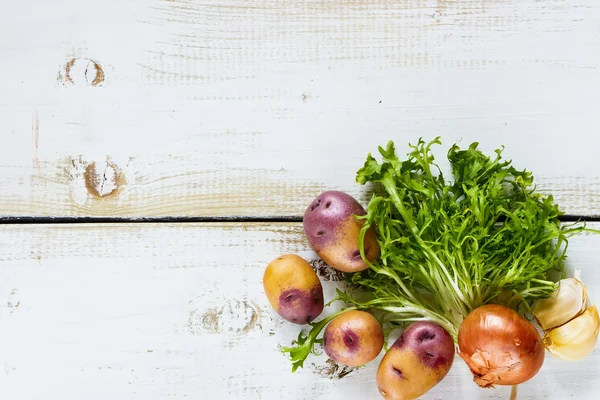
x: 448, y: 247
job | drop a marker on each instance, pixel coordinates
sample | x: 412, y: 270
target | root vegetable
x: 416, y: 362
x: 576, y: 339
x: 353, y: 338
x: 333, y: 231
x: 500, y: 346
x: 293, y: 289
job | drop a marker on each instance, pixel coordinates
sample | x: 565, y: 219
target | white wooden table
x: 189, y: 136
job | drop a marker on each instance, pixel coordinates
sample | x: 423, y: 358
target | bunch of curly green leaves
x: 450, y: 247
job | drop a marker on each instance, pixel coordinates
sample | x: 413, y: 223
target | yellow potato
x: 293, y: 289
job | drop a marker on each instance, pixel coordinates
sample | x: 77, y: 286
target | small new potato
x: 293, y: 289
x: 353, y: 338
x: 333, y: 231
x: 416, y: 362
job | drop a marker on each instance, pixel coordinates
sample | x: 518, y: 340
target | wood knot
x: 103, y: 179
x: 83, y: 72
x: 238, y: 316
x: 234, y: 316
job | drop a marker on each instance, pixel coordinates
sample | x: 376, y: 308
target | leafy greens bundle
x: 448, y: 247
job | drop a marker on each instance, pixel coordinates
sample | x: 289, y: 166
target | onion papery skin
x: 500, y: 346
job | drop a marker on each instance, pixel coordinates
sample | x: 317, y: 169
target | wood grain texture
x: 251, y: 108
x: 178, y: 311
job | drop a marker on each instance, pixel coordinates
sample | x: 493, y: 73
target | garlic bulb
x: 576, y: 339
x: 570, y: 322
x: 564, y: 304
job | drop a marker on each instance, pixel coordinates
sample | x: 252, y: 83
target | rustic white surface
x: 228, y: 108
x: 249, y: 108
x: 178, y: 311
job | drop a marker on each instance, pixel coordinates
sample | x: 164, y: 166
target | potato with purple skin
x: 293, y: 289
x: 416, y: 362
x: 353, y: 338
x: 333, y: 231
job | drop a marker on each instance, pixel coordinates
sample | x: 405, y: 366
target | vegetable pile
x: 460, y: 266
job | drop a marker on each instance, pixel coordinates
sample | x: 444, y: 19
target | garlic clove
x: 564, y: 304
x: 577, y: 338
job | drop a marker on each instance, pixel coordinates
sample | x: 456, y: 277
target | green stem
x: 590, y: 230
x: 305, y: 344
x: 390, y: 187
x: 426, y: 315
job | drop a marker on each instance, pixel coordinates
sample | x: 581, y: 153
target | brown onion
x: 499, y: 346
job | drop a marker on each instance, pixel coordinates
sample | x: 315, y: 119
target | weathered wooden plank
x: 178, y: 311
x: 195, y: 108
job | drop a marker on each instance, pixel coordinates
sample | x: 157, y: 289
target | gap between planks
x: 190, y: 220
x: 145, y: 220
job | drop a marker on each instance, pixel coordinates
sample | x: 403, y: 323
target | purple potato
x: 416, y: 362
x: 353, y: 338
x: 333, y: 231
